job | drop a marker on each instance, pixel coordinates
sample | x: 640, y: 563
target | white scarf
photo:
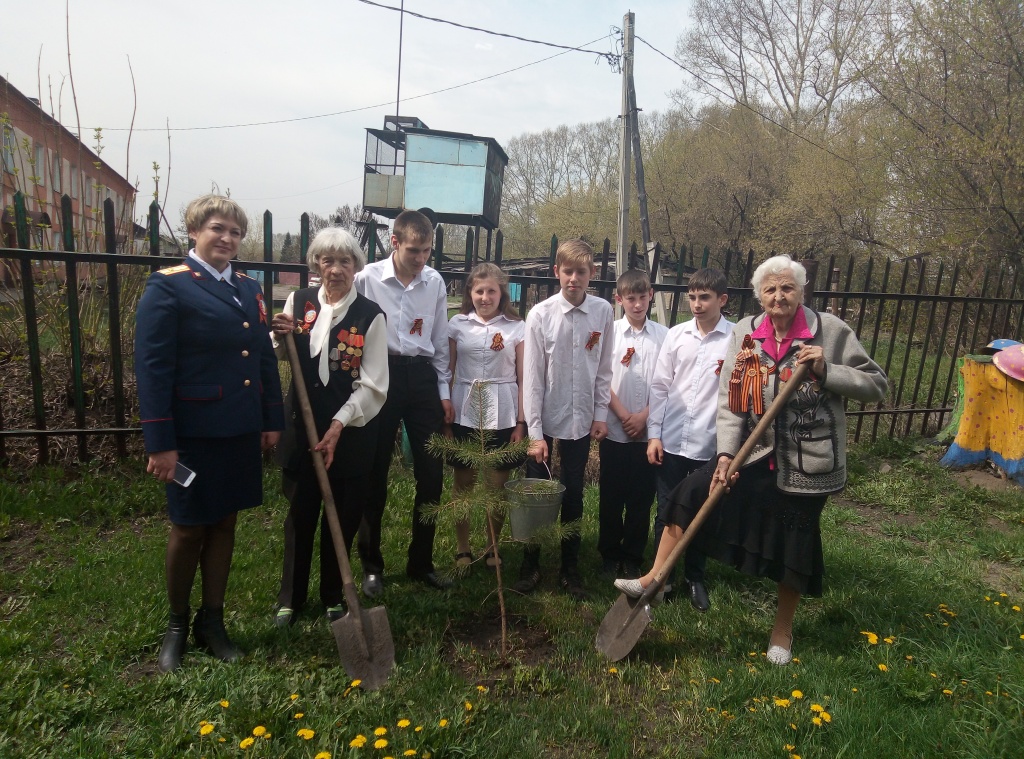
x: 320, y: 335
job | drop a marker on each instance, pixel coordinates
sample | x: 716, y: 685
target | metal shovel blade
x: 367, y: 652
x: 622, y: 627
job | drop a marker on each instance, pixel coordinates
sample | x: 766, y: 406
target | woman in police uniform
x: 342, y: 343
x: 209, y: 399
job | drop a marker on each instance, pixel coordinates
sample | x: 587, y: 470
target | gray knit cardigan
x: 809, y: 436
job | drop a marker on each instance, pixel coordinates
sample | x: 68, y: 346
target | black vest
x: 356, y: 446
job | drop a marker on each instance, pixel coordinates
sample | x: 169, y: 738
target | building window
x: 7, y: 151
x: 74, y: 181
x: 55, y: 167
x: 88, y: 192
x: 40, y: 168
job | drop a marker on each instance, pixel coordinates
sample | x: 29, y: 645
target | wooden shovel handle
x: 351, y: 597
x: 719, y: 490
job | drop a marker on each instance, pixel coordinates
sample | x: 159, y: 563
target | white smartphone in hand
x: 183, y: 475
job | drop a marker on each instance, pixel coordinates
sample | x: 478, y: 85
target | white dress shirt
x: 632, y: 383
x: 370, y: 390
x: 684, y: 390
x: 220, y: 276
x: 417, y: 314
x: 566, y: 384
x: 477, y: 362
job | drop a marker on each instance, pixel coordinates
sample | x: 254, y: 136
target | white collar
x: 225, y: 275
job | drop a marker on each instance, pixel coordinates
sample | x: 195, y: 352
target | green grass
x: 913, y: 555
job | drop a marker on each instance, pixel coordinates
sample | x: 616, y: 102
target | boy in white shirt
x: 627, y: 477
x: 684, y: 402
x: 567, y: 373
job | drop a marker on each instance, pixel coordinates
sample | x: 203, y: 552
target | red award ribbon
x: 594, y: 339
x: 628, y: 357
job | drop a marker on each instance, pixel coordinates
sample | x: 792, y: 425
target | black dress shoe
x: 373, y: 585
x: 209, y: 633
x: 434, y: 580
x: 573, y: 585
x: 172, y: 650
x: 699, y: 596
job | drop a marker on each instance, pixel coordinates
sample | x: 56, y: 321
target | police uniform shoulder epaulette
x: 175, y: 269
x: 243, y: 275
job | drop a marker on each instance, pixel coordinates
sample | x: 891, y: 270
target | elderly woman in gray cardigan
x: 768, y: 524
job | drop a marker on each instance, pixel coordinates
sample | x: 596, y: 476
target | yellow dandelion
x: 613, y: 671
x: 883, y: 668
x: 347, y: 691
x: 908, y: 657
x: 469, y: 706
x: 890, y: 639
x: 294, y: 696
x: 482, y: 688
x: 380, y: 731
x: 203, y: 722
x: 404, y: 723
x: 358, y: 742
x: 206, y: 729
x: 816, y: 721
x: 714, y: 680
x: 794, y: 756
x: 817, y: 708
x: 1003, y: 595
x: 826, y: 716
x: 798, y: 694
x: 409, y: 752
x: 796, y: 660
x: 987, y: 598
x: 995, y: 603
x: 783, y: 702
x: 222, y: 740
x: 792, y: 725
x: 947, y: 691
x: 933, y: 674
x: 246, y: 742
x: 418, y: 728
x: 299, y: 715
x: 1015, y: 608
x: 322, y: 755
x: 225, y: 703
x: 305, y: 733
x: 267, y: 736
x: 443, y: 723
x: 259, y: 730
x: 789, y: 747
x: 854, y: 690
x: 356, y: 683
x: 988, y: 693
x: 872, y: 637
x: 380, y: 743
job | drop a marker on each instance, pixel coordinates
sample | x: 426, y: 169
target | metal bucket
x: 530, y: 512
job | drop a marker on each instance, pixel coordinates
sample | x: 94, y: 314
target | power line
x: 749, y: 107
x: 610, y: 57
x: 336, y: 113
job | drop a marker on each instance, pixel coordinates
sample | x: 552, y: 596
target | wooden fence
x: 915, y: 317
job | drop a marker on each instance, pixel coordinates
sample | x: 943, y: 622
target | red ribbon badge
x: 785, y: 374
x: 417, y: 327
x: 630, y: 352
x: 308, y: 317
x: 263, y: 308
x: 498, y: 342
x: 594, y: 339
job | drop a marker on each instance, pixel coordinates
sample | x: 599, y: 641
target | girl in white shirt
x: 486, y: 345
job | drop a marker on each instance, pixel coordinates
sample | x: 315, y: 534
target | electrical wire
x: 610, y: 57
x: 749, y: 107
x: 337, y: 113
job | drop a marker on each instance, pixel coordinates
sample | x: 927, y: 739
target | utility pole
x: 401, y: 27
x: 625, y: 145
x: 641, y: 192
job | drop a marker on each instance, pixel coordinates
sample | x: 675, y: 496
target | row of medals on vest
x: 348, y: 355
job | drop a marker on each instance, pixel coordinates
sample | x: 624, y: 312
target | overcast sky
x: 218, y: 62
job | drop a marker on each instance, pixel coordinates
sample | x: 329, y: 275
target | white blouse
x: 485, y: 356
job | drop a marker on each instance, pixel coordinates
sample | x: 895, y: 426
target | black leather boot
x: 172, y: 650
x: 209, y: 633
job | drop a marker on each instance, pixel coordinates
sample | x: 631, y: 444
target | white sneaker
x: 780, y: 656
x: 631, y: 588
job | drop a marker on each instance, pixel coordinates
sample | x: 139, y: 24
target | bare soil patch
x: 987, y: 479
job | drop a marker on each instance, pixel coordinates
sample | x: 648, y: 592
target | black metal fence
x: 66, y: 319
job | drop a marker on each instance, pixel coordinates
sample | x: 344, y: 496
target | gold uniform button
x: 247, y: 383
x: 245, y: 354
x: 245, y: 324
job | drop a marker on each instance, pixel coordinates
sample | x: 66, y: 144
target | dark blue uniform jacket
x: 205, y: 366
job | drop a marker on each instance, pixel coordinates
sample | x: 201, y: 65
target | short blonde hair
x: 779, y: 265
x: 574, y: 251
x: 334, y: 240
x: 203, y: 208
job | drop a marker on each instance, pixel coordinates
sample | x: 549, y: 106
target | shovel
x: 626, y: 620
x: 364, y: 640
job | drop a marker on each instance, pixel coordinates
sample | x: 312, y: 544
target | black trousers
x: 572, y: 457
x: 412, y: 398
x: 303, y: 493
x: 627, y: 493
x: 673, y: 470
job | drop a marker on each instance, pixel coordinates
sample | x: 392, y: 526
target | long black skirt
x: 757, y: 528
x: 229, y: 478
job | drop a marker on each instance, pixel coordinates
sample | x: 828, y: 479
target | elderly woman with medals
x: 341, y: 338
x: 769, y: 523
